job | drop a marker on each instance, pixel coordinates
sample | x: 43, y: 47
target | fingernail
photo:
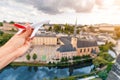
x: 28, y: 28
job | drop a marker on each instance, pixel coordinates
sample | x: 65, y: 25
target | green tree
x: 62, y: 30
x: 78, y: 31
x: 71, y: 78
x: 99, y: 62
x: 68, y: 29
x: 4, y: 38
x: 66, y: 59
x: 28, y: 56
x: 104, y: 48
x: 1, y: 24
x: 34, y: 56
x: 57, y: 28
x: 53, y: 63
x: 103, y: 75
x: 13, y: 30
x: 106, y: 56
x: 55, y: 78
x: 62, y: 59
x: 1, y: 33
x: 11, y: 22
x: 50, y: 28
x: 49, y: 63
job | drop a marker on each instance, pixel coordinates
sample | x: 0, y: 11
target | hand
x: 15, y: 47
x: 17, y: 41
x: 5, y: 60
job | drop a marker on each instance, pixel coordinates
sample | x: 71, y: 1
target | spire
x: 75, y: 28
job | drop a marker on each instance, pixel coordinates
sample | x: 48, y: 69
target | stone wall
x: 45, y: 41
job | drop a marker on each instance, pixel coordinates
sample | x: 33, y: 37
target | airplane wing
x: 36, y: 27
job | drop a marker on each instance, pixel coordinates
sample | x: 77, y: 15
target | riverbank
x: 84, y: 62
x: 93, y: 73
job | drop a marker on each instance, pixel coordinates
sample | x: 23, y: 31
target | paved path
x: 46, y: 52
x: 88, y: 78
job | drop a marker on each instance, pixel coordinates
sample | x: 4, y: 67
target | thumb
x: 27, y: 33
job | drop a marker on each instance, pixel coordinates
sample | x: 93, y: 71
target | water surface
x: 40, y: 73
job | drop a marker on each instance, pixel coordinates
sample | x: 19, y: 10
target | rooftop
x: 86, y: 43
x: 45, y: 35
x: 65, y: 40
x: 66, y: 48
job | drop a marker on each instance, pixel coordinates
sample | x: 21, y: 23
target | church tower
x: 75, y: 28
x: 74, y: 38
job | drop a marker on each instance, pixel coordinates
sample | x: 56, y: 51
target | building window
x: 80, y: 50
x: 84, y: 50
x: 88, y: 50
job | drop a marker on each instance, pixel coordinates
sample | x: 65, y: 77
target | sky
x: 61, y: 11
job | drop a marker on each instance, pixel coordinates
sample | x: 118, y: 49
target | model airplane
x: 35, y: 26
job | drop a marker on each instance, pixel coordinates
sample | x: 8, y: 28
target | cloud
x: 60, y: 6
x: 61, y: 11
x: 11, y: 10
x: 55, y: 6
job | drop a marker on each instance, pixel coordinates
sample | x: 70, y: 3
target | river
x: 40, y: 73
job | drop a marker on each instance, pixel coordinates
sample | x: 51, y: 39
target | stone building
x: 65, y: 46
x: 104, y: 27
x: 66, y: 51
x: 77, y: 47
x: 85, y: 47
x: 51, y: 48
x: 45, y: 39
